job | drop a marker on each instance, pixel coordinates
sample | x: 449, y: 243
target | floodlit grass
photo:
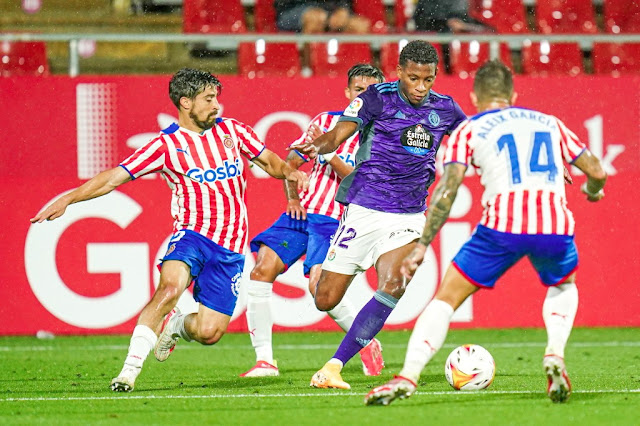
x: 66, y: 381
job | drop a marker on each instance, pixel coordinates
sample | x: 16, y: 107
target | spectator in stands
x: 446, y: 16
x: 319, y: 16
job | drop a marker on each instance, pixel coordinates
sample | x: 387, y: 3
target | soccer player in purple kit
x: 401, y: 125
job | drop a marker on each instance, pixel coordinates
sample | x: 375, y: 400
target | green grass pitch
x: 66, y: 381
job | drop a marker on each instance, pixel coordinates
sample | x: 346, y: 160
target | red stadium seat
x: 213, y: 16
x: 373, y: 10
x: 565, y: 16
x: 23, y: 58
x: 506, y: 16
x: 264, y: 15
x: 261, y: 59
x: 616, y: 59
x: 543, y: 59
x: 622, y: 16
x: 403, y: 11
x: 334, y: 59
x: 390, y: 53
x: 466, y: 58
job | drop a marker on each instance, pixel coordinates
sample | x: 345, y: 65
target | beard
x: 205, y: 124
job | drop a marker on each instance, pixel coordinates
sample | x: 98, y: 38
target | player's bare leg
x: 329, y: 291
x: 426, y: 339
x: 343, y: 314
x: 559, y: 311
x: 174, y: 279
x: 259, y: 318
x: 373, y: 315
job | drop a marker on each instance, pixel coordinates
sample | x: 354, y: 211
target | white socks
x: 427, y: 338
x: 142, y: 341
x: 259, y: 319
x: 343, y: 314
x: 559, y: 311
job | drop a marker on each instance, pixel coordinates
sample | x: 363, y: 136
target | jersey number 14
x: 541, y: 140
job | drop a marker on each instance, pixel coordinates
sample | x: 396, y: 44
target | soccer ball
x: 470, y: 367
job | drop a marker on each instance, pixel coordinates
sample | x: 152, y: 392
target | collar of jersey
x: 406, y: 101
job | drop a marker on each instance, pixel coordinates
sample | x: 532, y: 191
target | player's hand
x: 412, y: 261
x: 313, y: 132
x: 53, y: 211
x: 567, y: 177
x: 300, y: 178
x: 306, y: 148
x: 593, y: 197
x: 295, y: 210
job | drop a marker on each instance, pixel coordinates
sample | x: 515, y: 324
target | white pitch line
x: 222, y: 346
x: 297, y: 395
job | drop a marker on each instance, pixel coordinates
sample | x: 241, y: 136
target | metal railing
x: 230, y: 41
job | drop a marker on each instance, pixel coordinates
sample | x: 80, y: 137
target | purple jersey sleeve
x: 365, y: 108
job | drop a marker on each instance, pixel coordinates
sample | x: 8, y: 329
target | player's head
x: 359, y: 77
x: 195, y: 93
x: 493, y: 86
x: 417, y: 68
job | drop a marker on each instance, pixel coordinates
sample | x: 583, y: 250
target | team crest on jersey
x: 172, y: 247
x: 434, y: 118
x: 353, y: 108
x: 332, y: 254
x: 417, y: 139
x: 227, y: 141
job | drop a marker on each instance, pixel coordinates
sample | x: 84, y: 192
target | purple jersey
x: 395, y: 164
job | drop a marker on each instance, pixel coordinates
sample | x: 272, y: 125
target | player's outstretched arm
x: 329, y: 141
x: 294, y: 208
x: 277, y: 168
x: 99, y: 185
x: 442, y: 200
x: 596, y: 176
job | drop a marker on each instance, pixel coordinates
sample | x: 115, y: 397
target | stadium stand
x: 213, y: 16
x: 23, y: 58
x: 373, y: 10
x: 387, y: 16
x: 466, y: 58
x: 542, y: 59
x: 506, y: 16
x: 565, y: 16
x: 264, y: 16
x: 262, y: 59
x: 334, y: 59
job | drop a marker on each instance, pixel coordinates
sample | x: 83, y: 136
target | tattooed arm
x: 442, y: 200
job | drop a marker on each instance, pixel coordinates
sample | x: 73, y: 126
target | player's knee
x: 325, y: 302
x: 210, y: 335
x: 395, y: 287
x: 265, y: 272
x: 168, y: 293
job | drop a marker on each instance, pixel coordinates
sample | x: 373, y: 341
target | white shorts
x: 364, y: 235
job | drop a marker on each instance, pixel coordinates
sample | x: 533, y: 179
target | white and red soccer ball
x: 470, y: 367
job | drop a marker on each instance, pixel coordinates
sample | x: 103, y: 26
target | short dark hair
x: 493, y: 80
x: 364, y: 70
x: 189, y: 83
x: 420, y: 52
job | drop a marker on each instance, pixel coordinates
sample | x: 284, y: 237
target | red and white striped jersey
x: 319, y: 198
x: 519, y: 154
x: 205, y: 174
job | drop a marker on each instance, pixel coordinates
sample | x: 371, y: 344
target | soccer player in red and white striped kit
x: 306, y: 227
x: 199, y: 158
x: 519, y: 153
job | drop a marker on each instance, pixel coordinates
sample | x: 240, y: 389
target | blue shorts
x: 292, y: 238
x: 488, y: 254
x: 216, y: 271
